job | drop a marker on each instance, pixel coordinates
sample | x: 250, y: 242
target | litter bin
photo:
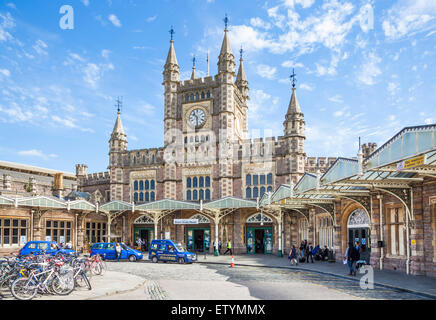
x: 331, y: 256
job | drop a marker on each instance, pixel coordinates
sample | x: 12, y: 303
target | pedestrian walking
x: 352, y: 256
x: 293, y: 256
x: 118, y: 251
x: 139, y: 243
x: 220, y: 245
x: 309, y: 254
x: 229, y: 248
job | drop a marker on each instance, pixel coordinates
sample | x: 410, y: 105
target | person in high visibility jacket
x: 229, y: 248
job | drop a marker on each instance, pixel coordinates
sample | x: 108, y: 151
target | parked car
x: 168, y: 250
x: 107, y: 251
x: 38, y: 246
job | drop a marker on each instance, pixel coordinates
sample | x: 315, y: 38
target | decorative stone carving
x: 201, y: 218
x: 258, y: 218
x: 358, y: 219
x: 143, y: 220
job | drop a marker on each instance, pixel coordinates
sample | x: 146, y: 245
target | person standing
x: 293, y: 256
x: 220, y: 245
x: 229, y: 248
x: 139, y: 243
x: 309, y: 254
x: 118, y: 251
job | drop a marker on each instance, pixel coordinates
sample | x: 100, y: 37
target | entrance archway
x: 198, y: 237
x: 259, y: 234
x: 143, y: 228
x: 358, y: 227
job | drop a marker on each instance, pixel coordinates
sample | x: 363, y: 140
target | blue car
x: 167, y: 250
x: 107, y: 251
x: 38, y: 246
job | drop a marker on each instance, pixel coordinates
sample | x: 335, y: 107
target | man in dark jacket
x: 309, y: 254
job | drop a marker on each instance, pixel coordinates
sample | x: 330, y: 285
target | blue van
x: 167, y: 250
x: 37, y: 246
x: 107, y: 251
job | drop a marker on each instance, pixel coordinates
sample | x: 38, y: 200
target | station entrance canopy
x: 406, y: 158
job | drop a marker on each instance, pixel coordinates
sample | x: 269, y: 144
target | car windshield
x: 124, y: 246
x: 180, y: 248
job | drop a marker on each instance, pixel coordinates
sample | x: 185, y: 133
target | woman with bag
x: 293, y: 256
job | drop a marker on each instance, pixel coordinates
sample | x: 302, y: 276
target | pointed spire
x: 226, y: 59
x: 171, y: 59
x: 241, y: 72
x: 193, y: 68
x: 118, y: 128
x: 294, y: 106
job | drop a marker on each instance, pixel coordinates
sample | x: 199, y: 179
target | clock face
x: 197, y: 118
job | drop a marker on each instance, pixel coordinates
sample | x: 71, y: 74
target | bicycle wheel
x: 96, y: 269
x: 24, y: 289
x: 63, y: 285
x: 103, y: 266
x: 86, y: 280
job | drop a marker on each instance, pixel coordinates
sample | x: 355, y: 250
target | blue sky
x: 357, y: 76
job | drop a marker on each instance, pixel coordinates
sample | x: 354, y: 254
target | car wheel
x: 181, y: 261
x: 132, y: 258
x: 155, y: 259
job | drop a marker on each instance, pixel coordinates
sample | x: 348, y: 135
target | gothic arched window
x: 207, y: 194
x: 201, y: 194
x: 255, y: 179
x: 248, y: 193
x: 248, y: 179
x: 187, y: 98
x: 255, y: 192
x: 208, y: 94
x: 188, y: 183
x: 147, y: 197
x: 188, y: 195
x: 262, y: 179
x: 197, y: 96
x: 135, y: 197
x: 141, y: 185
x: 269, y: 178
x: 269, y: 189
x: 194, y: 195
x: 262, y: 191
x: 141, y: 197
x: 194, y: 182
x: 207, y: 181
x: 192, y: 97
x: 152, y: 196
x: 135, y: 185
x: 202, y: 95
x: 152, y: 185
x: 201, y: 182
x: 147, y: 185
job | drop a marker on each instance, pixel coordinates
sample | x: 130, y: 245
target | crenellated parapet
x: 95, y: 178
x: 321, y: 163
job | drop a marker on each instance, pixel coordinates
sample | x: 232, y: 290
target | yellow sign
x: 413, y: 242
x: 411, y: 163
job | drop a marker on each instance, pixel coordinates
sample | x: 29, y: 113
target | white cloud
x: 105, y: 53
x: 6, y: 22
x: 115, y: 21
x: 370, y: 70
x: 11, y: 5
x: 259, y: 23
x: 292, y: 64
x: 266, y: 71
x: 151, y: 19
x: 305, y: 86
x: 336, y: 98
x: 409, y: 17
x: 92, y: 74
x: 85, y: 2
x: 37, y: 153
x: 40, y: 47
x: 5, y: 72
